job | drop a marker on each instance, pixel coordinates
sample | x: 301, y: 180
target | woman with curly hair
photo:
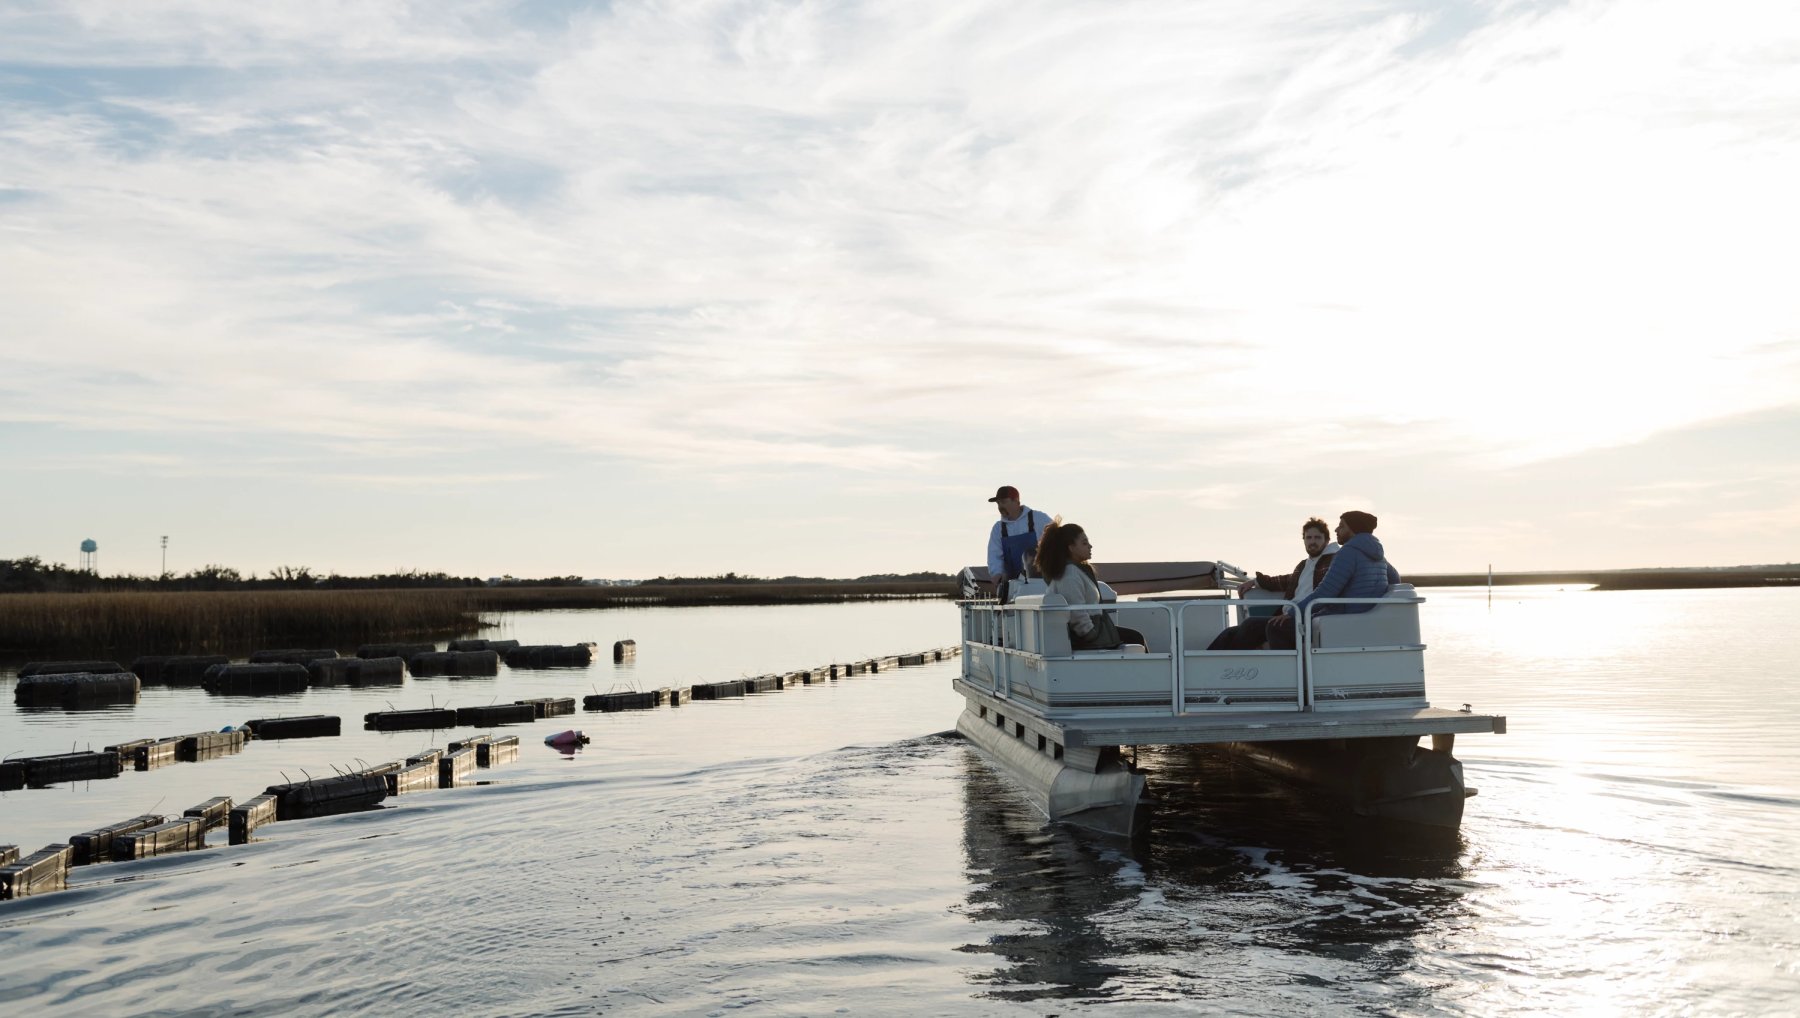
x: 1062, y: 560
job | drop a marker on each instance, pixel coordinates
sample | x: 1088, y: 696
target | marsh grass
x: 124, y: 624
x: 225, y: 621
x: 678, y: 594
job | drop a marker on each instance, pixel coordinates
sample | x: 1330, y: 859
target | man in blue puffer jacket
x: 1360, y: 569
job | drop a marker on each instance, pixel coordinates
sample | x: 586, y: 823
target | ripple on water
x: 685, y: 867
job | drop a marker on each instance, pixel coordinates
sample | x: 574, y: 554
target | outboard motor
x: 972, y: 584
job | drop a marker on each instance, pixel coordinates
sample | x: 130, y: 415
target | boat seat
x: 1384, y: 625
x: 1054, y: 632
x: 1032, y: 586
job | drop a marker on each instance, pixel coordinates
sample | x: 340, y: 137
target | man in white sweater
x: 1319, y: 550
x: 1253, y: 632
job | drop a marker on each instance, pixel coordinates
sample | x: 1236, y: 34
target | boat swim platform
x: 1097, y: 731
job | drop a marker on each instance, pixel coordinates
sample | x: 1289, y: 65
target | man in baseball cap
x: 1012, y: 544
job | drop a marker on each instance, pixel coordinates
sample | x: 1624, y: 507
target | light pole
x: 165, y: 550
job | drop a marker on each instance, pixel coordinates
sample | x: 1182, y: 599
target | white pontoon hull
x: 1109, y: 798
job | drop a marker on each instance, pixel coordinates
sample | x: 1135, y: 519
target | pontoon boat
x: 1344, y: 711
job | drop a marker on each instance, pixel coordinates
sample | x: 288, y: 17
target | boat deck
x: 1099, y: 730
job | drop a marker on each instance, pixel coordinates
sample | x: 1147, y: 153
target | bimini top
x: 1122, y: 577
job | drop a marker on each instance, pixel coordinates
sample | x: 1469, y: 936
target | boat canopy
x: 1129, y: 577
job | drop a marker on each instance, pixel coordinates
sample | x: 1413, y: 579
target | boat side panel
x: 1355, y: 679
x: 1195, y: 729
x: 1250, y: 680
x: 1126, y: 682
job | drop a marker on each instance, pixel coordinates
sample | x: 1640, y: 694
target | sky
x: 649, y: 288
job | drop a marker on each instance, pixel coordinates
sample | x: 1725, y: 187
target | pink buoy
x: 568, y: 738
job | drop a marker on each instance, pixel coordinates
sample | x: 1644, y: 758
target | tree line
x: 32, y: 575
x: 734, y: 578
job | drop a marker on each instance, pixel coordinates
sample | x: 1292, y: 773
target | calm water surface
x: 1633, y: 849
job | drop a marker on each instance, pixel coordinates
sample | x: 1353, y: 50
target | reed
x: 678, y: 594
x: 227, y: 621
x: 123, y: 624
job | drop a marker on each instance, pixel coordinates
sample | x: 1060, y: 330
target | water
x: 824, y: 851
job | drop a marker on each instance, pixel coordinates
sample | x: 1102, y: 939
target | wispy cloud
x: 743, y: 237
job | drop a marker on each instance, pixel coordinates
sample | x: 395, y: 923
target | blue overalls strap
x: 1013, y: 547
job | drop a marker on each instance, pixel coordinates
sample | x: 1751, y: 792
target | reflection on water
x: 1045, y: 885
x: 676, y: 646
x: 818, y: 851
x: 1237, y: 871
x: 1206, y: 797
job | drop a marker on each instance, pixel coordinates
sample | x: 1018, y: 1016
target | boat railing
x: 1363, y: 659
x: 1028, y: 656
x: 1021, y: 651
x: 1228, y: 681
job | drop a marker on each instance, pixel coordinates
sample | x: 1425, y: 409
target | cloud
x: 849, y: 238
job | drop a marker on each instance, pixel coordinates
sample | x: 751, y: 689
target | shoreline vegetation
x: 161, y: 617
x: 125, y: 623
x: 1626, y: 579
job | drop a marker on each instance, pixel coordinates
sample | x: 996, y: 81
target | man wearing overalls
x: 1012, y: 545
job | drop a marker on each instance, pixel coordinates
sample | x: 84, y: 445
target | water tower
x: 90, y: 553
